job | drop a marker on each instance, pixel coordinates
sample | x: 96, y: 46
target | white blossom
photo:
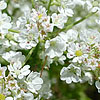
x: 70, y: 74
x: 58, y: 20
x: 34, y: 82
x: 28, y: 96
x: 4, y: 23
x: 52, y: 33
x: 77, y: 52
x: 97, y: 84
x: 18, y: 71
x: 70, y: 36
x: 90, y: 36
x: 66, y: 12
x: 12, y: 57
x: 55, y: 47
x: 3, y: 5
x: 2, y: 71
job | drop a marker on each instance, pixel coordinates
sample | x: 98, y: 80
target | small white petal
x: 97, y: 84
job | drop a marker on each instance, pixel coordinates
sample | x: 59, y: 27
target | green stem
x: 12, y: 30
x: 49, y: 6
x: 75, y: 23
x: 28, y: 56
x: 33, y: 5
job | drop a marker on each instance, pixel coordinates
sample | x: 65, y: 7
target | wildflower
x: 70, y: 74
x: 58, y: 20
x: 18, y: 71
x: 34, y: 82
x: 3, y: 5
x: 55, y: 47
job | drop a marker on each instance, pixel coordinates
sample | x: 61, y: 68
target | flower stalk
x: 12, y: 30
x: 28, y: 56
x: 49, y: 6
x: 33, y: 5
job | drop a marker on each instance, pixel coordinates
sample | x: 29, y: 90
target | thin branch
x: 43, y: 66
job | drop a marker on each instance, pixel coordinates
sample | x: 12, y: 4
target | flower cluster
x: 84, y: 54
x: 47, y: 30
x: 20, y: 82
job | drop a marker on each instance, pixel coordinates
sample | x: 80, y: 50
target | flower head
x: 18, y: 71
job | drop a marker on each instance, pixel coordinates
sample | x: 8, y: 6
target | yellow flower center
x: 78, y: 53
x: 40, y: 15
x: 2, y: 97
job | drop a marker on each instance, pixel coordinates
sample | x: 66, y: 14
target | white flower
x: 28, y: 38
x: 34, y: 82
x: 97, y: 21
x: 87, y: 77
x: 66, y: 12
x: 58, y: 20
x: 92, y: 63
x: 3, y: 5
x: 88, y: 4
x: 70, y: 36
x: 28, y: 96
x: 97, y: 84
x: 2, y: 71
x: 13, y: 56
x: 55, y: 47
x: 21, y: 22
x: 77, y: 52
x: 95, y: 9
x: 12, y: 85
x: 4, y: 23
x: 70, y: 74
x: 18, y: 71
x: 48, y: 27
x: 90, y: 36
x: 27, y: 44
x: 93, y: 5
x: 39, y: 14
